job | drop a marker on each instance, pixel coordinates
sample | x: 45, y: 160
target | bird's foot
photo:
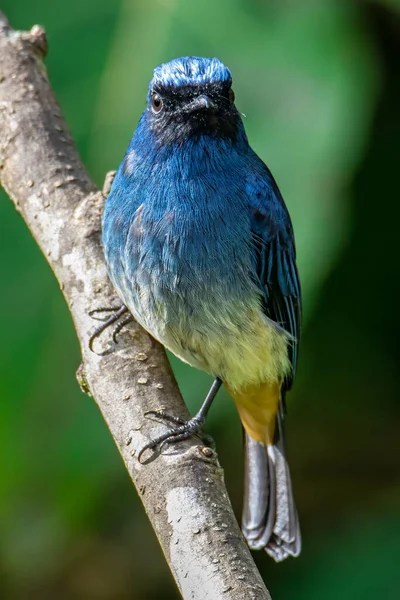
x: 184, y: 430
x: 118, y: 311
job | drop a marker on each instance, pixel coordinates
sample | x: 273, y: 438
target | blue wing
x: 275, y: 256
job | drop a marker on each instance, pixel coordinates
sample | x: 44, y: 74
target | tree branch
x: 182, y: 490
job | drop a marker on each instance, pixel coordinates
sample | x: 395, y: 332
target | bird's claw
x: 184, y: 431
x: 118, y: 311
x: 160, y: 415
x: 103, y: 309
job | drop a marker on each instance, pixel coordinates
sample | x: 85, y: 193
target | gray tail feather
x: 270, y: 518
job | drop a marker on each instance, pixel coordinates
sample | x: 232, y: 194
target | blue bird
x: 200, y: 248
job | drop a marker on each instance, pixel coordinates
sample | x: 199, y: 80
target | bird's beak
x: 203, y: 102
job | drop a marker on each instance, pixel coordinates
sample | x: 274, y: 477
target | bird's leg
x: 118, y: 311
x: 186, y: 428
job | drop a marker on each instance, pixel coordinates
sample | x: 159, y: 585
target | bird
x: 200, y: 248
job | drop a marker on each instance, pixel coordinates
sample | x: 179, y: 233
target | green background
x: 318, y: 81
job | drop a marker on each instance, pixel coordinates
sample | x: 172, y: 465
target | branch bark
x: 183, y: 489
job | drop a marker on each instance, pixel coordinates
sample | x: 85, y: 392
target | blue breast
x: 177, y: 231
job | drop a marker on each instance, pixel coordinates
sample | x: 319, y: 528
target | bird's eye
x: 231, y: 95
x: 156, y: 103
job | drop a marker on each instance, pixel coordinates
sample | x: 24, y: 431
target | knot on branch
x: 81, y: 378
x: 200, y: 453
x: 4, y: 24
x: 108, y: 183
x: 38, y: 38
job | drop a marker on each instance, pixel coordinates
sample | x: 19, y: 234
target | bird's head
x: 192, y: 96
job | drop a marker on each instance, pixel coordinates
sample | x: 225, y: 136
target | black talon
x: 180, y: 437
x: 163, y: 416
x: 186, y: 429
x: 121, y: 326
x: 183, y: 432
x: 101, y: 309
x: 118, y: 312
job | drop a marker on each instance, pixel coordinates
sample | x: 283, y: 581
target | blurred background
x: 319, y: 83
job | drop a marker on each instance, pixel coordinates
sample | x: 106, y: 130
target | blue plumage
x: 198, y: 240
x: 189, y: 71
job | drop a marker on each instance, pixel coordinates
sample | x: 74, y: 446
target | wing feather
x: 275, y: 259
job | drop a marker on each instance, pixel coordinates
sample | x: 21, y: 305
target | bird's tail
x: 270, y: 518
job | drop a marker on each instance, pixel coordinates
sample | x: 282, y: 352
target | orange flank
x: 258, y: 406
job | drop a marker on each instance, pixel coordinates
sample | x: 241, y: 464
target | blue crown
x: 190, y: 70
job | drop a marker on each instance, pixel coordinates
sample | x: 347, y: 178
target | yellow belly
x: 252, y: 360
x: 242, y: 353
